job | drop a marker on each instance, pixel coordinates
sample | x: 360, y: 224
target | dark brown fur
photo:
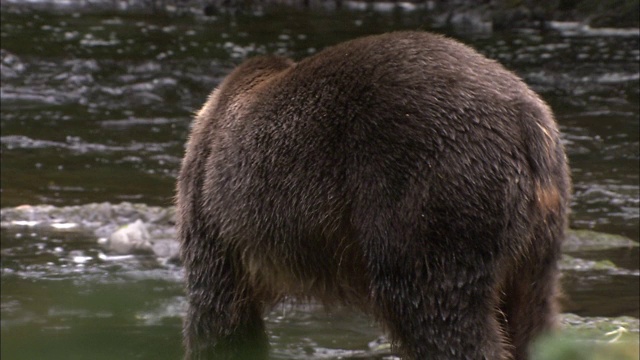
x: 404, y: 174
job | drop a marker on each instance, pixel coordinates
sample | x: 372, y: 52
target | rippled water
x: 95, y: 107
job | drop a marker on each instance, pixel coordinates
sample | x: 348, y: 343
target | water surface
x: 96, y: 107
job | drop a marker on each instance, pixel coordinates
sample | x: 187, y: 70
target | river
x: 96, y: 108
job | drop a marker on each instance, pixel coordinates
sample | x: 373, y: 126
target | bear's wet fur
x: 403, y: 174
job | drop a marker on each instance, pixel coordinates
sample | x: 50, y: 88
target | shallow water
x: 96, y: 108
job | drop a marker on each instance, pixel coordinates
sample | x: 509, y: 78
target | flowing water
x: 96, y: 107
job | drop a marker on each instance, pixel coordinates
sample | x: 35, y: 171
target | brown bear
x: 403, y: 174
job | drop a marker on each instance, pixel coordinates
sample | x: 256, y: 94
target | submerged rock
x: 579, y: 338
x: 121, y: 229
x: 167, y: 249
x: 597, y: 328
x: 129, y: 239
x: 113, y: 221
x: 585, y: 240
x: 135, y: 238
x: 591, y: 338
x: 89, y: 216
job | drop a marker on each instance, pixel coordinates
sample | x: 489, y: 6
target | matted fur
x: 404, y: 174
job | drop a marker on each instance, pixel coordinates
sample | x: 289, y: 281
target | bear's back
x: 383, y: 128
x: 369, y: 94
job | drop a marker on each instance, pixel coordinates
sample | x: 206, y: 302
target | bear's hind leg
x: 436, y: 306
x: 530, y: 306
x: 224, y: 319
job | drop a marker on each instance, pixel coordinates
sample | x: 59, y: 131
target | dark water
x: 96, y: 108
